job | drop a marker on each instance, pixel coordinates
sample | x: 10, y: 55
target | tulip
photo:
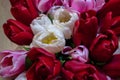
x: 111, y: 5
x: 79, y: 53
x: 84, y: 5
x: 23, y: 10
x: 85, y: 29
x: 40, y: 24
x: 112, y: 68
x: 45, y: 5
x: 18, y: 32
x: 110, y: 23
x: 51, y: 40
x: 65, y: 21
x: 12, y: 63
x: 74, y: 70
x: 103, y: 46
x: 45, y: 66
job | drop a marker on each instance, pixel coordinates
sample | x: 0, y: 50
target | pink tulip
x: 45, y: 5
x: 12, y: 63
x: 79, y: 53
x: 84, y: 5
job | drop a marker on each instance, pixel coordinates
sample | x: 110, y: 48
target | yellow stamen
x: 49, y: 38
x: 64, y: 16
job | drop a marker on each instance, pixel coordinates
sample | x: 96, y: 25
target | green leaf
x: 26, y: 48
x: 28, y: 63
x: 50, y: 17
x: 100, y: 64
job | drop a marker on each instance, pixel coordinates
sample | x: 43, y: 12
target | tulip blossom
x: 12, y: 63
x: 23, y: 10
x: 51, y: 40
x: 74, y: 70
x: 21, y: 76
x: 18, y: 32
x: 111, y: 5
x: 84, y: 5
x: 45, y: 5
x: 45, y: 66
x: 64, y: 21
x: 112, y: 68
x: 79, y: 53
x: 103, y: 46
x: 85, y: 29
x: 110, y: 22
x: 40, y: 24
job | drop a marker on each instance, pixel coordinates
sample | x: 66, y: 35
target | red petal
x: 23, y: 38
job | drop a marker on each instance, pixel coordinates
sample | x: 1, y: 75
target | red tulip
x: 116, y: 25
x: 85, y: 30
x: 74, y: 70
x: 18, y: 32
x: 23, y: 10
x: 111, y: 5
x: 45, y: 66
x: 110, y: 23
x: 103, y: 46
x: 112, y: 68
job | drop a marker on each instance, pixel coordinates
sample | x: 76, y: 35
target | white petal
x: 22, y: 76
x: 39, y: 24
x: 65, y: 21
x: 55, y: 45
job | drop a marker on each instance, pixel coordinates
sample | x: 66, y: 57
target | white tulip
x: 65, y: 21
x: 40, y: 23
x: 22, y: 76
x: 51, y: 40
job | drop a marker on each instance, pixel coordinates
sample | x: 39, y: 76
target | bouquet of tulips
x: 62, y: 40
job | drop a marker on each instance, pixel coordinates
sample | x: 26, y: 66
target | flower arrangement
x: 62, y: 40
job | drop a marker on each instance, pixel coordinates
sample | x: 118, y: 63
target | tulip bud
x: 23, y: 10
x: 85, y: 30
x: 18, y: 32
x: 103, y: 46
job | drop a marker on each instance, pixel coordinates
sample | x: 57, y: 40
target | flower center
x: 49, y: 38
x: 7, y: 62
x: 64, y: 16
